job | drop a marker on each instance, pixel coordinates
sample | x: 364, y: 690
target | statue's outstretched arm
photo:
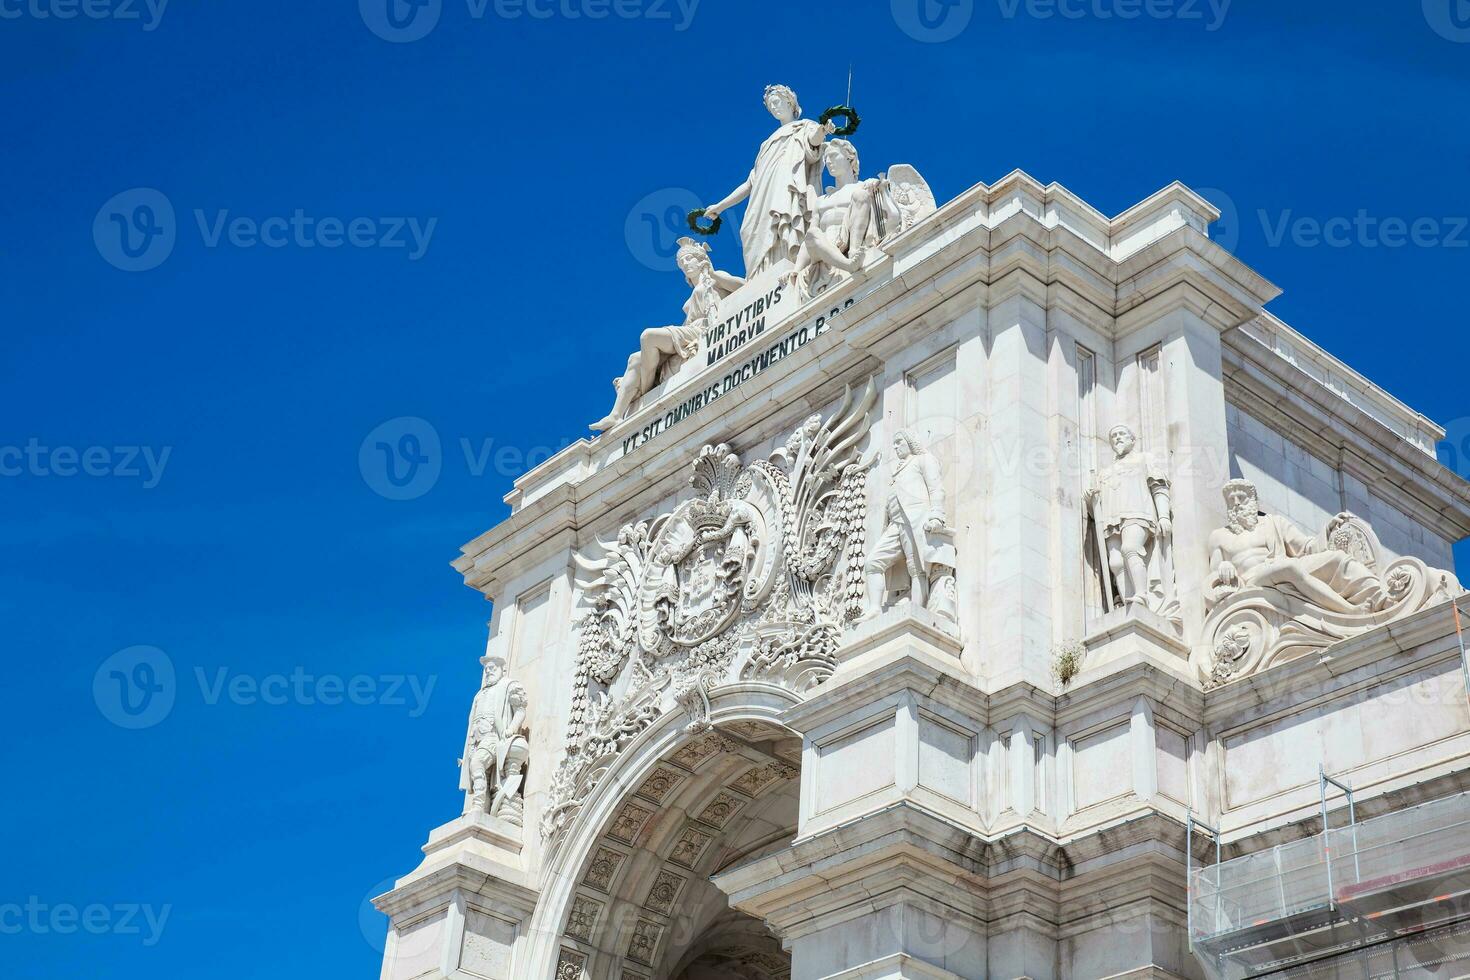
x: 733, y: 198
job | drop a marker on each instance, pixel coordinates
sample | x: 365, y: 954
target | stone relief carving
x: 1276, y: 593
x: 496, y: 748
x: 756, y: 577
x: 787, y: 170
x: 916, y: 533
x: 1133, y: 530
x: 854, y: 217
x: 661, y: 350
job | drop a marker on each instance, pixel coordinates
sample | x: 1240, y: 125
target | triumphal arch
x: 927, y: 582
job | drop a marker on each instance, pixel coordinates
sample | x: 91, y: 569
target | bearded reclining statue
x: 1275, y: 593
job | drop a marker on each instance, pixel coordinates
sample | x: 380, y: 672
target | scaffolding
x: 1372, y: 898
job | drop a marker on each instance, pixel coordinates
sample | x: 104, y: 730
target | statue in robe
x: 1256, y: 550
x: 662, y: 350
x: 916, y: 533
x: 496, y: 748
x: 787, y: 172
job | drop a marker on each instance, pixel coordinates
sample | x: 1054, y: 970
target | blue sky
x: 187, y: 445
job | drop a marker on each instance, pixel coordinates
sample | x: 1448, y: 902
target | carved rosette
x: 756, y: 577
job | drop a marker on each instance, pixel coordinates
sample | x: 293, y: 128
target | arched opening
x: 640, y: 905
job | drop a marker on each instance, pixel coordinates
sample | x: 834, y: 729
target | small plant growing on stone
x: 1067, y: 661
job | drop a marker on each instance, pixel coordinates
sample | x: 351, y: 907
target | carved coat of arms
x: 754, y: 577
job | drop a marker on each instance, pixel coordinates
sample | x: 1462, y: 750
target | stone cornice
x: 470, y: 873
x: 922, y: 667
x: 1026, y: 251
x: 1267, y: 386
x: 904, y: 852
x: 1287, y: 688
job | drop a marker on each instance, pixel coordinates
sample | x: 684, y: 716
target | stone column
x: 883, y: 879
x: 1017, y: 613
x: 1189, y: 392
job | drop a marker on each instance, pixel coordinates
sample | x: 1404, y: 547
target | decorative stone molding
x: 1279, y: 594
x: 755, y: 579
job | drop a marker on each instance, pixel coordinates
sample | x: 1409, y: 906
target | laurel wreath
x: 711, y: 229
x: 847, y: 112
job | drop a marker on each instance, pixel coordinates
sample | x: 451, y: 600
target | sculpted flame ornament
x: 756, y: 577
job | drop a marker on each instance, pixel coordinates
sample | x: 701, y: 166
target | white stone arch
x: 738, y: 712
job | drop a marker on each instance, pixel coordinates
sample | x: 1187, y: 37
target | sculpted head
x: 693, y: 259
x: 781, y: 103
x: 841, y: 158
x: 906, y: 444
x: 494, y: 671
x: 1122, y: 439
x: 1243, y: 504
